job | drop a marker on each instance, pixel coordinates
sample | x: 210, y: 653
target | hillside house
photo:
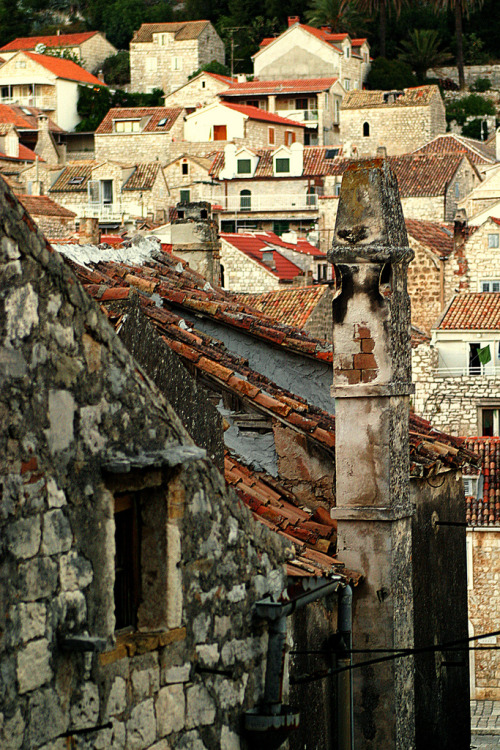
x: 314, y: 102
x: 199, y: 91
x: 251, y: 264
x: 313, y: 53
x: 27, y: 123
x: 399, y: 121
x: 47, y: 83
x: 188, y: 178
x: 138, y: 133
x: 55, y: 221
x: 90, y: 48
x: 247, y: 126
x: 451, y: 143
x: 11, y: 149
x: 484, y: 199
x: 163, y: 55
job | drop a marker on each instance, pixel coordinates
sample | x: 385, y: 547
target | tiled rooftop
x: 24, y: 118
x: 143, y: 177
x: 419, y: 96
x: 55, y: 40
x: 254, y: 113
x: 472, y: 311
x: 180, y: 29
x: 155, y: 115
x: 42, y: 205
x: 23, y: 154
x: 316, y: 162
x: 288, y: 306
x: 423, y: 174
x: 254, y: 247
x: 73, y: 178
x: 438, y: 237
x: 66, y: 69
x: 486, y: 510
x: 457, y: 144
x: 279, y: 87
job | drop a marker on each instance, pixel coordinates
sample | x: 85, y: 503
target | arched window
x: 366, y: 129
x: 311, y: 197
x: 245, y: 200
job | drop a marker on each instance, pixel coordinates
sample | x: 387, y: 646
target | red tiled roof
x: 285, y: 86
x: 254, y: 113
x: 301, y: 246
x: 291, y: 307
x: 358, y: 42
x: 143, y: 177
x: 12, y: 113
x: 219, y: 77
x: 66, y: 69
x: 438, y: 237
x: 155, y: 114
x: 42, y: 205
x: 472, y: 311
x: 24, y: 154
x: 315, y: 162
x: 56, y: 40
x: 73, y: 178
x: 457, y: 144
x: 180, y: 29
x: 424, y: 174
x: 485, y: 511
x: 253, y: 246
x: 325, y: 36
x: 497, y: 221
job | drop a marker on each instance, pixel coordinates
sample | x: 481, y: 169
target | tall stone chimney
x: 372, y: 387
x: 195, y: 238
x: 89, y: 232
x: 46, y: 147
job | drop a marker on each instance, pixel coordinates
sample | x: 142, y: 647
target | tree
x: 116, y: 69
x: 460, y: 8
x: 382, y: 7
x: 385, y: 75
x: 339, y: 15
x: 212, y: 67
x: 422, y: 51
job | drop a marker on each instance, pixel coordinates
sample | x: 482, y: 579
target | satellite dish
x: 40, y: 48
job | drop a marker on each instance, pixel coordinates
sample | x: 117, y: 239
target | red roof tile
x: 291, y: 307
x: 42, y: 205
x: 423, y: 174
x: 281, y: 86
x: 438, y: 237
x: 24, y: 118
x: 472, y: 311
x: 66, y: 69
x: 180, y: 29
x: 155, y: 115
x: 485, y: 510
x: 56, y: 40
x: 254, y: 246
x: 254, y: 113
x: 457, y: 144
x: 316, y: 162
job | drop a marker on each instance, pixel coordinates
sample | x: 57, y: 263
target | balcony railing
x: 103, y: 212
x: 300, y: 115
x: 259, y: 202
x: 468, y: 371
x: 39, y: 102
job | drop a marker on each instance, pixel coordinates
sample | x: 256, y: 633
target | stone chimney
x: 46, y: 147
x: 89, y: 232
x: 381, y: 152
x: 372, y: 387
x: 292, y: 20
x: 459, y: 237
x: 195, y: 238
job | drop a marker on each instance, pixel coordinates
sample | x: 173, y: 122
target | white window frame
x: 488, y: 285
x: 493, y: 240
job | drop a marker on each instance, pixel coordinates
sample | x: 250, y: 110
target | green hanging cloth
x: 484, y: 355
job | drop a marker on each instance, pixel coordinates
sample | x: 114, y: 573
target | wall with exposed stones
x: 484, y: 608
x: 131, y: 148
x: 62, y: 482
x: 424, y: 286
x: 472, y: 73
x: 94, y: 51
x: 243, y: 274
x: 55, y: 227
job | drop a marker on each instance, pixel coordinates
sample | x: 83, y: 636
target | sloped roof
x: 73, y: 178
x: 418, y: 96
x: 291, y: 307
x: 55, y: 40
x: 485, y: 511
x: 254, y: 113
x: 472, y: 311
x: 322, y: 34
x: 219, y: 77
x: 42, y: 205
x: 66, y: 69
x: 143, y: 177
x: 155, y: 114
x: 284, y: 86
x: 438, y: 237
x: 301, y: 246
x: 24, y: 154
x: 253, y: 246
x: 181, y: 29
x: 315, y: 162
x: 450, y: 143
x: 24, y: 118
x: 424, y: 174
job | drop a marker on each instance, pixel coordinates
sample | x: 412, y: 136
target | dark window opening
x: 222, y: 280
x: 244, y: 166
x: 184, y: 196
x: 185, y: 167
x: 282, y: 165
x: 245, y: 200
x: 366, y: 129
x: 488, y: 416
x: 474, y: 361
x: 127, y: 562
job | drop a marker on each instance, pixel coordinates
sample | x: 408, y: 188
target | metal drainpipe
x: 344, y: 679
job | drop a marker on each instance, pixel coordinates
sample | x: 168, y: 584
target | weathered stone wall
x: 210, y: 561
x: 257, y: 133
x: 55, y: 227
x: 472, y: 73
x: 94, y: 51
x: 424, y: 286
x: 197, y: 181
x: 243, y: 274
x: 428, y: 208
x: 198, y: 92
x: 320, y: 321
x: 463, y: 181
x: 484, y: 607
x: 131, y: 148
x: 482, y: 261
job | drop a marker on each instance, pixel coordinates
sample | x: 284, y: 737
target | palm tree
x: 460, y: 8
x: 382, y: 6
x: 422, y: 52
x: 339, y: 15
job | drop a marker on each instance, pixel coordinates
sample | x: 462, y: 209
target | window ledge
x: 133, y: 644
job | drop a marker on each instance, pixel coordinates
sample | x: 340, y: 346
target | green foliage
x: 95, y: 102
x: 116, y: 69
x: 13, y: 22
x: 386, y: 75
x: 339, y: 15
x: 476, y: 129
x: 468, y: 106
x: 481, y: 84
x: 212, y: 67
x: 422, y: 51
x: 242, y: 34
x: 66, y: 54
x: 120, y: 18
x: 474, y: 52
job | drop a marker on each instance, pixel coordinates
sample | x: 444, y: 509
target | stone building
x: 27, y: 123
x: 54, y: 220
x: 250, y: 264
x: 314, y: 102
x: 399, y: 121
x: 90, y: 48
x: 451, y: 143
x: 163, y: 55
x: 484, y: 199
x: 199, y: 91
x: 138, y: 134
x: 313, y: 53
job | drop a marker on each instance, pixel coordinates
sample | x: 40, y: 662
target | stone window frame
x: 489, y: 282
x: 493, y: 240
x: 176, y: 62
x: 184, y: 199
x: 347, y: 84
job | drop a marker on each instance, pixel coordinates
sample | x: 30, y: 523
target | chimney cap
x: 292, y: 20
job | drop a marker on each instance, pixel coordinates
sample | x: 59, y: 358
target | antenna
x: 234, y: 59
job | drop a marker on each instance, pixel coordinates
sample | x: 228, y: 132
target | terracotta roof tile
x: 291, y: 307
x: 254, y: 113
x: 419, y: 96
x: 155, y: 115
x: 281, y: 86
x: 42, y: 205
x: 56, y: 40
x: 180, y: 29
x: 66, y: 69
x: 253, y: 246
x: 438, y: 237
x: 450, y: 143
x: 316, y: 162
x: 143, y: 177
x: 424, y: 174
x: 73, y: 179
x: 24, y: 118
x: 485, y: 509
x: 472, y: 311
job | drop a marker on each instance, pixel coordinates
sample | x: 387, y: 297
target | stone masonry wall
x: 257, y: 133
x: 95, y: 50
x: 472, y: 73
x: 55, y: 227
x: 424, y: 286
x: 484, y: 607
x: 428, y: 208
x: 131, y: 148
x: 243, y: 274
x: 57, y: 532
x: 320, y: 322
x: 195, y: 94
